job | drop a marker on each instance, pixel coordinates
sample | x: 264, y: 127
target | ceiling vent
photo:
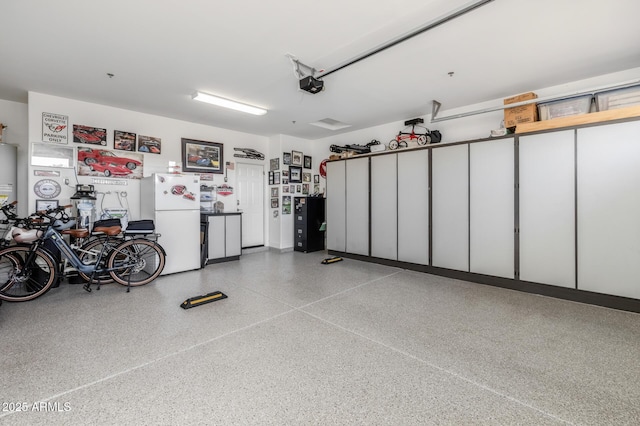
x: 331, y: 124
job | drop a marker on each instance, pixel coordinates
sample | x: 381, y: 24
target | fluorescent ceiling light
x: 227, y: 103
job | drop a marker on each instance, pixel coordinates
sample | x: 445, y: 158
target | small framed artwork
x: 275, y: 203
x: 292, y: 189
x: 285, y: 189
x: 306, y: 177
x: 305, y: 189
x: 149, y: 144
x: 296, y: 158
x: 274, y: 164
x: 286, y: 204
x: 270, y: 178
x: 307, y: 162
x: 90, y: 135
x: 295, y: 174
x: 276, y: 178
x: 285, y: 181
x: 124, y: 141
x: 46, y: 204
x: 274, y: 192
x: 316, y: 178
x: 202, y: 157
x: 285, y: 173
x: 298, y: 189
x: 286, y: 158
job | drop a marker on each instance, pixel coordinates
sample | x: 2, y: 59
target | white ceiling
x: 162, y: 51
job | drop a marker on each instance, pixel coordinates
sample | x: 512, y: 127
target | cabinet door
x: 216, y: 237
x: 336, y: 206
x: 413, y: 207
x: 609, y: 209
x: 547, y: 208
x: 384, y: 207
x: 450, y: 197
x: 233, y: 237
x: 358, y: 206
x: 492, y: 212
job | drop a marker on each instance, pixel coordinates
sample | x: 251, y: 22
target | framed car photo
x: 202, y: 157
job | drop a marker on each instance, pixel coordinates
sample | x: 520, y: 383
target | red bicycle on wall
x: 421, y: 138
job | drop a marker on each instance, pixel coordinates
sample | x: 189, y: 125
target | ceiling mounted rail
x: 426, y: 27
x: 435, y: 108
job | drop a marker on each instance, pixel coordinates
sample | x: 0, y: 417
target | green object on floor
x: 192, y: 302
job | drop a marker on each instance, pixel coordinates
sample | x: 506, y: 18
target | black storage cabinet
x: 309, y: 217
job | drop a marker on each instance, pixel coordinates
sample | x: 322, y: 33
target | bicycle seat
x: 108, y: 230
x: 76, y: 233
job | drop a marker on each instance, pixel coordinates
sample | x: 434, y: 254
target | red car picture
x: 91, y: 156
x: 92, y: 135
x: 110, y: 169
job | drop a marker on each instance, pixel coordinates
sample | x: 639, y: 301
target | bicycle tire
x: 9, y: 261
x: 37, y: 278
x: 85, y: 253
x: 137, y: 262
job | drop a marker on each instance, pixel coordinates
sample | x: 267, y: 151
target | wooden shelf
x: 578, y: 120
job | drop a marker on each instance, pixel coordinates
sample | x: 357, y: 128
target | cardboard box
x: 520, y: 114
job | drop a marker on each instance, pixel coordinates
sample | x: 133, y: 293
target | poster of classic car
x: 106, y: 163
x: 90, y: 135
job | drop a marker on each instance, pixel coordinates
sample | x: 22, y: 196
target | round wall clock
x: 47, y: 188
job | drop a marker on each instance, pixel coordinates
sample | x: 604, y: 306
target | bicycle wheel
x: 136, y: 262
x: 24, y: 280
x: 89, y: 253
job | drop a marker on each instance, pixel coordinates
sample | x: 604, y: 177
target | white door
x: 251, y: 203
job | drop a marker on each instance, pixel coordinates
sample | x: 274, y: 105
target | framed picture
x: 285, y: 181
x: 305, y: 189
x: 276, y: 178
x: 306, y: 177
x: 298, y: 189
x: 202, y: 157
x: 124, y: 141
x: 46, y: 204
x: 316, y: 178
x: 149, y: 144
x: 307, y: 162
x: 271, y: 178
x: 275, y: 203
x: 295, y: 174
x: 274, y: 192
x: 286, y: 158
x: 286, y: 204
x: 285, y: 189
x: 274, y: 164
x: 90, y: 135
x: 292, y: 189
x: 296, y: 158
x: 285, y: 173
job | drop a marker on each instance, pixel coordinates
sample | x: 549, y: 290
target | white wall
x: 14, y: 116
x: 281, y: 226
x: 472, y: 127
x: 169, y: 130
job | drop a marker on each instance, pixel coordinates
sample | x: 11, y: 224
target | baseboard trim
x: 575, y: 295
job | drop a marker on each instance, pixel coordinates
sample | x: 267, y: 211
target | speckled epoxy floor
x: 300, y: 343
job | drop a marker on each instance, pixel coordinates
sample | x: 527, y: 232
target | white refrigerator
x: 173, y: 202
